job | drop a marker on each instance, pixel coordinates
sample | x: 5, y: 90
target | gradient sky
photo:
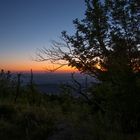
x: 26, y: 25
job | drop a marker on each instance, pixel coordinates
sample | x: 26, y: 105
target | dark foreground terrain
x: 28, y: 114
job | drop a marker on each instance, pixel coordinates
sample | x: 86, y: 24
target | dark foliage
x: 106, y: 45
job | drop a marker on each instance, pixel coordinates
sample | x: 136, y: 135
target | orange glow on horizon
x: 35, y: 66
x: 99, y: 67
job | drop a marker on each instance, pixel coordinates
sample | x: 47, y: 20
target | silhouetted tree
x: 7, y: 84
x: 109, y: 32
x: 106, y: 45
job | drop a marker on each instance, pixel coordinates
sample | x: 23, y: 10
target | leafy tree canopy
x: 106, y: 40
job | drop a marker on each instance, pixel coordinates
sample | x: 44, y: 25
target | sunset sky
x: 26, y: 25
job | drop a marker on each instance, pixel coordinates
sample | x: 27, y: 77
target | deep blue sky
x: 29, y: 24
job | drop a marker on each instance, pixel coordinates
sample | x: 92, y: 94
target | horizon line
x: 40, y: 71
